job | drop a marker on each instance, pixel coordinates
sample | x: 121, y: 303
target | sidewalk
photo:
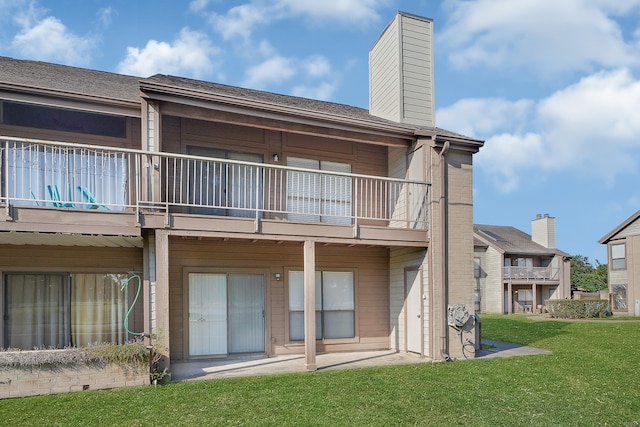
x: 246, y: 365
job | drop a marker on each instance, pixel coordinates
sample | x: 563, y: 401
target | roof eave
x: 609, y: 236
x: 70, y: 96
x: 243, y: 104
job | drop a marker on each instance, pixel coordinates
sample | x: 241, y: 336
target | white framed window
x: 618, y: 257
x: 316, y: 197
x: 335, y: 305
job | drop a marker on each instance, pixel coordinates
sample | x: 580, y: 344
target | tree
x: 585, y: 276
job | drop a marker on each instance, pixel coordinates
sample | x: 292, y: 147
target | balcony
x: 181, y: 189
x: 532, y: 274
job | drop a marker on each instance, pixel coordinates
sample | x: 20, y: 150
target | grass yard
x: 592, y: 378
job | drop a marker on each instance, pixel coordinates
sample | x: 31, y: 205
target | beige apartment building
x: 516, y: 272
x: 250, y: 222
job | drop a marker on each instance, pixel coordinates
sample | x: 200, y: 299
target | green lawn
x: 592, y: 378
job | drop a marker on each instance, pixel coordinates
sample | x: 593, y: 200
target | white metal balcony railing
x: 532, y: 273
x: 63, y: 175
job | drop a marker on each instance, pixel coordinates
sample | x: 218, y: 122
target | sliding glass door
x: 226, y: 313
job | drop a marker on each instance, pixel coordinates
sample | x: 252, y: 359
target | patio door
x: 413, y: 303
x: 226, y: 313
x: 218, y: 187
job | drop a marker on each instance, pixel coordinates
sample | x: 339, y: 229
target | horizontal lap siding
x: 70, y: 259
x: 372, y: 287
x: 417, y: 70
x: 384, y: 84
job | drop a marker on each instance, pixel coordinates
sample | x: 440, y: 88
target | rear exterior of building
x: 227, y: 221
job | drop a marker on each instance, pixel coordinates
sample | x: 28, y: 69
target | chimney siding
x: 401, y: 84
x: 543, y: 231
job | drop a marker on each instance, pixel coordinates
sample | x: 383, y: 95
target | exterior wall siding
x: 401, y: 72
x: 400, y: 260
x: 384, y: 79
x: 494, y: 288
x: 417, y: 71
x: 371, y: 267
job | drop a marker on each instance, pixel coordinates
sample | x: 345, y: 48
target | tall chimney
x: 401, y: 86
x: 543, y: 231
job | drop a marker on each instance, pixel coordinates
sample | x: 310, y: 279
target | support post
x: 162, y: 296
x: 310, y: 305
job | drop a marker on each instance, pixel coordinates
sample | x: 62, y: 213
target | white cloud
x: 594, y: 125
x: 48, y: 39
x: 355, y: 11
x: 549, y: 35
x: 317, y: 66
x: 480, y: 117
x: 273, y: 70
x: 324, y: 91
x: 506, y: 157
x: 105, y: 15
x: 198, y: 5
x: 277, y: 69
x: 591, y: 129
x: 240, y: 21
x: 189, y: 55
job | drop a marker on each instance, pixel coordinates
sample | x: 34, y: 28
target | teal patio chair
x: 90, y: 199
x: 54, y: 195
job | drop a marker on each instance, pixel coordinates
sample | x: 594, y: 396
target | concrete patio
x: 246, y: 365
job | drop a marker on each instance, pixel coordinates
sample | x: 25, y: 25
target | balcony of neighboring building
x: 531, y: 274
x: 73, y: 188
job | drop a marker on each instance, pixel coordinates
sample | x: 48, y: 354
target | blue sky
x: 552, y: 86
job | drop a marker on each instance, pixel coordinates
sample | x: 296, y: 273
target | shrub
x: 135, y: 353
x: 577, y: 309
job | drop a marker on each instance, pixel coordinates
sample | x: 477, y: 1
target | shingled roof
x: 62, y: 80
x: 45, y: 77
x: 511, y: 240
x: 195, y: 87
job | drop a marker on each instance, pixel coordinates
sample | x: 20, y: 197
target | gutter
x: 444, y: 227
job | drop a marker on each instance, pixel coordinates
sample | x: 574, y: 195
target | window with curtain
x: 316, y: 197
x: 67, y: 177
x: 61, y: 310
x: 335, y: 305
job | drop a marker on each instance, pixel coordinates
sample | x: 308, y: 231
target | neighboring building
x: 623, y: 260
x: 516, y: 272
x: 229, y: 204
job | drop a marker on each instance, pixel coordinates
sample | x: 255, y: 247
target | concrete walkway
x: 235, y: 366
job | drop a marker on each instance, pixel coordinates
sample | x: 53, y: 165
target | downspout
x: 444, y: 227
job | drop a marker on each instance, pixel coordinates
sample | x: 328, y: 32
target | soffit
x: 65, y: 239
